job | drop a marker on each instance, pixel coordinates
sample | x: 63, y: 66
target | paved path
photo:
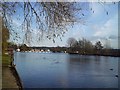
x: 8, y: 79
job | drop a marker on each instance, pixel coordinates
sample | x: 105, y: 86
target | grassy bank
x: 10, y: 77
x: 6, y: 60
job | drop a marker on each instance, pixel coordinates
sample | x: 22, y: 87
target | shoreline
x: 96, y: 55
x: 10, y: 76
x: 107, y: 55
x: 15, y: 74
x: 17, y: 77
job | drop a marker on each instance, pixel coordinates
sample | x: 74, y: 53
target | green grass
x: 5, y: 60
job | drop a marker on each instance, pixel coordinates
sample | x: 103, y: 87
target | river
x: 61, y: 70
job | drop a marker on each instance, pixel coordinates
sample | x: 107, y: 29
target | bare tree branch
x: 50, y: 18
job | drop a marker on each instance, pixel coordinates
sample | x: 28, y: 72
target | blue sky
x: 97, y: 26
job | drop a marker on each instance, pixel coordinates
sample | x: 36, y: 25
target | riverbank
x: 10, y: 77
x: 109, y: 55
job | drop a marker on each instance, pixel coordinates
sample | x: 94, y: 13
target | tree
x: 12, y: 45
x: 84, y: 46
x: 71, y: 42
x: 5, y: 37
x: 98, y: 45
x: 87, y: 46
x: 23, y: 47
x: 50, y: 18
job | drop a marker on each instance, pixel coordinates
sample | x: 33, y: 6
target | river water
x: 61, y: 70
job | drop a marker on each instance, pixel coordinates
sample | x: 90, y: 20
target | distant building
x: 18, y: 50
x: 42, y: 50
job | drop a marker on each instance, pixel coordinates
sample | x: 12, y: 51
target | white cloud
x: 109, y: 28
x: 103, y: 32
x: 98, y: 33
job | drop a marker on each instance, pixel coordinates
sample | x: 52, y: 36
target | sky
x: 98, y: 26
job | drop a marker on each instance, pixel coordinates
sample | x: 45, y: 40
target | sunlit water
x: 60, y: 70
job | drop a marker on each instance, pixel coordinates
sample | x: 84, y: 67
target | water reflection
x: 51, y: 70
x: 91, y: 71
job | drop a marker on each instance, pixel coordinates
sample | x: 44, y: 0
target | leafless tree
x: 98, y: 45
x: 51, y: 18
x: 71, y: 42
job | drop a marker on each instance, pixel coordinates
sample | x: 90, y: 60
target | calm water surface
x: 60, y: 70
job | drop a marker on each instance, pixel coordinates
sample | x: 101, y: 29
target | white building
x: 18, y: 50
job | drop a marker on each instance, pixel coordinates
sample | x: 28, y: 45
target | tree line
x: 82, y: 47
x: 86, y: 47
